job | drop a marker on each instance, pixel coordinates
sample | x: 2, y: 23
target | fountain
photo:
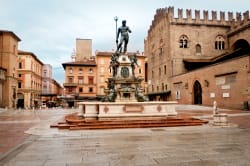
x: 124, y: 95
x: 124, y: 105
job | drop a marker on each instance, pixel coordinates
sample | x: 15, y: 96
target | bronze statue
x: 114, y: 63
x: 133, y: 60
x: 123, y: 30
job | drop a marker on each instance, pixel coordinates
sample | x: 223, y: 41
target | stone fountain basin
x: 128, y: 110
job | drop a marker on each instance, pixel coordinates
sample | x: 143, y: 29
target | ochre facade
x: 8, y: 66
x: 29, y: 80
x: 20, y: 75
x: 197, y: 59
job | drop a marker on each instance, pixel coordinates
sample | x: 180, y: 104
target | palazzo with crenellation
x: 198, y: 59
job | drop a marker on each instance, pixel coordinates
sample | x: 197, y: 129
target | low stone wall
x: 103, y: 110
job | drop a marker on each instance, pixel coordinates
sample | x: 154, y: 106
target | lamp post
x: 116, y: 19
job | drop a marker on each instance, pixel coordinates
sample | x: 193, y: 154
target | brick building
x: 8, y: 66
x: 198, y: 60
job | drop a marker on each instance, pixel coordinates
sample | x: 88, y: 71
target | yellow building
x: 8, y: 65
x: 29, y: 80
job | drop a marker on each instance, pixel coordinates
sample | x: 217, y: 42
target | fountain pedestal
x: 127, y: 110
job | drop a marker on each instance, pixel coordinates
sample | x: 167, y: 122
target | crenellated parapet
x: 200, y: 19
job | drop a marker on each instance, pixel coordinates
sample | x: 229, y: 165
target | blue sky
x: 49, y: 28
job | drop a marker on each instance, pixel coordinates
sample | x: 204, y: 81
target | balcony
x: 70, y: 84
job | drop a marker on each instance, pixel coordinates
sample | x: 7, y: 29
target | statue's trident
x: 116, y: 19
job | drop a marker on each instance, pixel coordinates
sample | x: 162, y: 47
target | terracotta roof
x: 21, y: 52
x: 105, y: 53
x: 12, y: 33
x: 80, y: 63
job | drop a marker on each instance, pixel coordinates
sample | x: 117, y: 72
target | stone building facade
x: 198, y: 60
x: 20, y: 75
x: 8, y: 68
x: 29, y: 80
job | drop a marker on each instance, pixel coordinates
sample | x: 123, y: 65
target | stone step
x: 72, y: 122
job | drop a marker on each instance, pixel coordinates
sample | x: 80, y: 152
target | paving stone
x: 199, y: 145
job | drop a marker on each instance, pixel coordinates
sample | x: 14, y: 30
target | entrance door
x: 20, y: 100
x: 197, y: 93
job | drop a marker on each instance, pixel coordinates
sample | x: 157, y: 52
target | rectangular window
x: 90, y: 89
x: 70, y: 79
x: 139, y: 71
x: 20, y: 65
x: 70, y: 70
x: 80, y: 80
x: 80, y: 90
x: 19, y: 84
x: 91, y: 80
x: 178, y: 95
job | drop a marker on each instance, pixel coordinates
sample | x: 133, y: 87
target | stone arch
x: 240, y: 44
x: 197, y: 92
x: 220, y: 41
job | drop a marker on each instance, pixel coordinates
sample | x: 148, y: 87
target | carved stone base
x: 121, y: 110
x: 220, y: 119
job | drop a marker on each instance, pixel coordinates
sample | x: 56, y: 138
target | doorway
x: 20, y: 100
x: 197, y: 91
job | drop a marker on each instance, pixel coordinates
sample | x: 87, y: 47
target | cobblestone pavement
x: 198, y: 145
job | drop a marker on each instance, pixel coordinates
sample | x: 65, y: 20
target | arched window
x: 183, y: 41
x: 198, y: 49
x: 219, y: 43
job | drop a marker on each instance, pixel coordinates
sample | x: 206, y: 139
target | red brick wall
x: 229, y: 78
